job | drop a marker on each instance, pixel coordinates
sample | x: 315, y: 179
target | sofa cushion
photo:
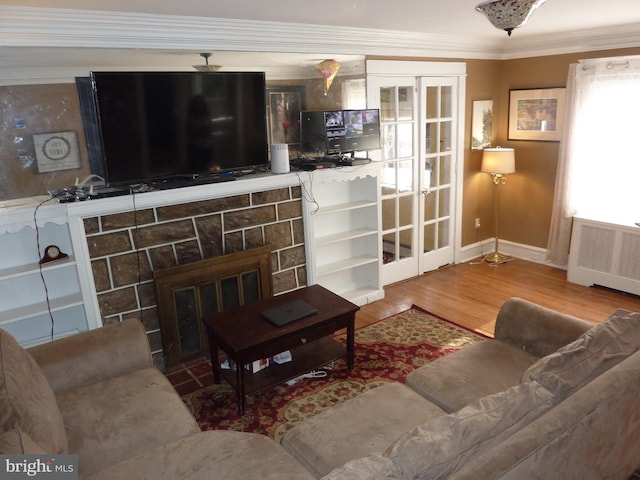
x: 15, y: 441
x: 222, y: 454
x: 26, y: 399
x: 597, y: 350
x: 591, y: 435
x: 366, y: 424
x: 460, y: 378
x: 373, y: 467
x: 118, y: 418
x: 437, y: 448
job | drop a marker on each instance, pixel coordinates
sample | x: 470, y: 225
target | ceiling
x: 456, y: 17
x: 149, y: 34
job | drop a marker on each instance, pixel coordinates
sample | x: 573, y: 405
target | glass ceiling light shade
x: 508, y: 14
x: 328, y: 69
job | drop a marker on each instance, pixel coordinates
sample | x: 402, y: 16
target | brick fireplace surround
x: 125, y: 248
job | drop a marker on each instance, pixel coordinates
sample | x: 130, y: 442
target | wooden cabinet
x: 342, y: 218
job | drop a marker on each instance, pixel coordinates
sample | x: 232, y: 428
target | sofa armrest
x: 94, y: 355
x: 536, y: 329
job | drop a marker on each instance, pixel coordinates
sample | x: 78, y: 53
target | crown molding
x: 592, y: 40
x: 50, y: 27
x: 37, y: 27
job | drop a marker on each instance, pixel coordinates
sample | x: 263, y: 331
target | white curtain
x: 599, y: 165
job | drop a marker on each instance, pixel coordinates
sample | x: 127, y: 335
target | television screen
x: 340, y: 131
x: 156, y: 125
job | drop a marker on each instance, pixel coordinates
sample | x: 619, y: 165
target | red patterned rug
x: 386, y: 351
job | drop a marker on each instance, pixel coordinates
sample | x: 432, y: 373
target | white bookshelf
x: 342, y: 218
x: 32, y: 294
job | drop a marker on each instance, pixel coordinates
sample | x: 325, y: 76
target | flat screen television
x: 340, y: 131
x: 162, y: 125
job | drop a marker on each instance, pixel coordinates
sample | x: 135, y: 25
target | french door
x: 420, y: 192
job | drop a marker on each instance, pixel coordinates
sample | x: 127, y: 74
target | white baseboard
x: 511, y: 249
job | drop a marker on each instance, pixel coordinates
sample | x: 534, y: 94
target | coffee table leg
x: 215, y: 361
x: 240, y: 387
x: 351, y: 342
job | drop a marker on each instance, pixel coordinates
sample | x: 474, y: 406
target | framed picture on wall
x: 536, y: 114
x: 481, y: 124
x: 56, y: 151
x: 284, y: 104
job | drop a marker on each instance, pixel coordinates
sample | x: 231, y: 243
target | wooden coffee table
x: 245, y: 336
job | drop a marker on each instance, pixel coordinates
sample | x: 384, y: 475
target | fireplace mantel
x: 77, y: 217
x: 250, y: 183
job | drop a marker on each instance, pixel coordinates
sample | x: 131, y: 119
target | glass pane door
x: 398, y: 119
x: 418, y: 192
x: 437, y: 158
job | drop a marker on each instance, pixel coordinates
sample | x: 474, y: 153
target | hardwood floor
x: 471, y: 294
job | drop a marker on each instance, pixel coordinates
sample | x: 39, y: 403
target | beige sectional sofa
x: 549, y: 397
x: 97, y: 395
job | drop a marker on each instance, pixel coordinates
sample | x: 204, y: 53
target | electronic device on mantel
x: 335, y: 135
x: 185, y: 125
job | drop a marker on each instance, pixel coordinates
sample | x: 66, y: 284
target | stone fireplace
x: 126, y: 248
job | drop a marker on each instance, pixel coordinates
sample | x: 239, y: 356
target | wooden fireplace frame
x: 213, y: 270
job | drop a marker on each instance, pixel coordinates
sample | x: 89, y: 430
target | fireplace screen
x: 188, y: 292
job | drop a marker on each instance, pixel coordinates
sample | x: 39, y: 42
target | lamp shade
x: 508, y: 14
x: 498, y: 160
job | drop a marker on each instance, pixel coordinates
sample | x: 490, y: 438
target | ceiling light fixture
x: 508, y: 14
x: 328, y: 69
x: 206, y: 67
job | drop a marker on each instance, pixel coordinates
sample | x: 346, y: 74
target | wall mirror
x: 38, y: 88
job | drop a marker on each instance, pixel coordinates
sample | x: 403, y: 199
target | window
x: 602, y: 157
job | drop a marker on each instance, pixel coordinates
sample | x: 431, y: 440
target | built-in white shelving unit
x: 342, y: 218
x: 342, y: 238
x: 38, y: 302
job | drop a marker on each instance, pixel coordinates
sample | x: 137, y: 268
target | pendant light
x: 508, y: 14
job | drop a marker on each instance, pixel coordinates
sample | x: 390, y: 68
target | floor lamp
x: 498, y: 162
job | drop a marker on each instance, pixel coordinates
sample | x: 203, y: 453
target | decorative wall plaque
x: 56, y: 151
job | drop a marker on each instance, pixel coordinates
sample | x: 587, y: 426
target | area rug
x: 386, y: 351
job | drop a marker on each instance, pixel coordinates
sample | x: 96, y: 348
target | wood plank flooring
x: 471, y: 294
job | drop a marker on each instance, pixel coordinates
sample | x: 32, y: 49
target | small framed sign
x: 481, y: 124
x: 56, y: 151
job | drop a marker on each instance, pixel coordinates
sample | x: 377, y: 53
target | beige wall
x: 36, y: 109
x: 526, y: 200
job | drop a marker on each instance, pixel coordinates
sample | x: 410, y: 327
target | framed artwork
x: 284, y: 104
x: 56, y: 151
x: 536, y: 114
x: 481, y: 124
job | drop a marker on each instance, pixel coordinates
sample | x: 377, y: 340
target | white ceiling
x: 457, y: 17
x: 152, y: 34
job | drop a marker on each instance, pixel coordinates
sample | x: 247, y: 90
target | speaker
x: 280, y: 158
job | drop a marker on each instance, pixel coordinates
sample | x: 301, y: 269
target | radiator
x: 605, y: 254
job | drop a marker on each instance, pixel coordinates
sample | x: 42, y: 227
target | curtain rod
x: 609, y: 63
